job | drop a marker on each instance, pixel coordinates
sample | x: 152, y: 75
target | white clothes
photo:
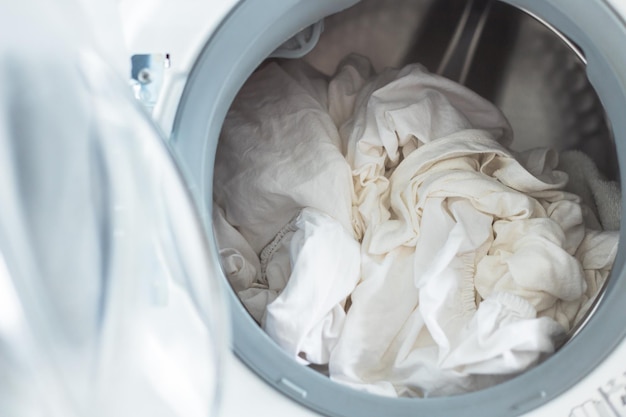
x: 298, y: 290
x: 282, y: 154
x: 482, y: 266
x: 472, y: 262
x: 395, y: 112
x: 601, y: 196
x: 307, y: 317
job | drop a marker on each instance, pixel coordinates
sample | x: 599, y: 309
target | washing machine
x: 190, y: 58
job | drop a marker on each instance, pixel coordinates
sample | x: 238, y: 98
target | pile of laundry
x: 379, y: 224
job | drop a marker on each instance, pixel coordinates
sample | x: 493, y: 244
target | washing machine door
x: 107, y: 302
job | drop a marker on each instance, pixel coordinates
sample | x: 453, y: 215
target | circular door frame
x: 248, y: 34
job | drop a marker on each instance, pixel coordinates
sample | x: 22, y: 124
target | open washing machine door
x: 107, y: 302
x: 219, y: 47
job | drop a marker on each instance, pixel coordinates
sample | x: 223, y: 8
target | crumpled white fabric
x: 473, y: 260
x: 601, y: 196
x: 394, y: 112
x: 283, y: 154
x: 485, y: 261
x: 298, y: 289
x: 307, y: 317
